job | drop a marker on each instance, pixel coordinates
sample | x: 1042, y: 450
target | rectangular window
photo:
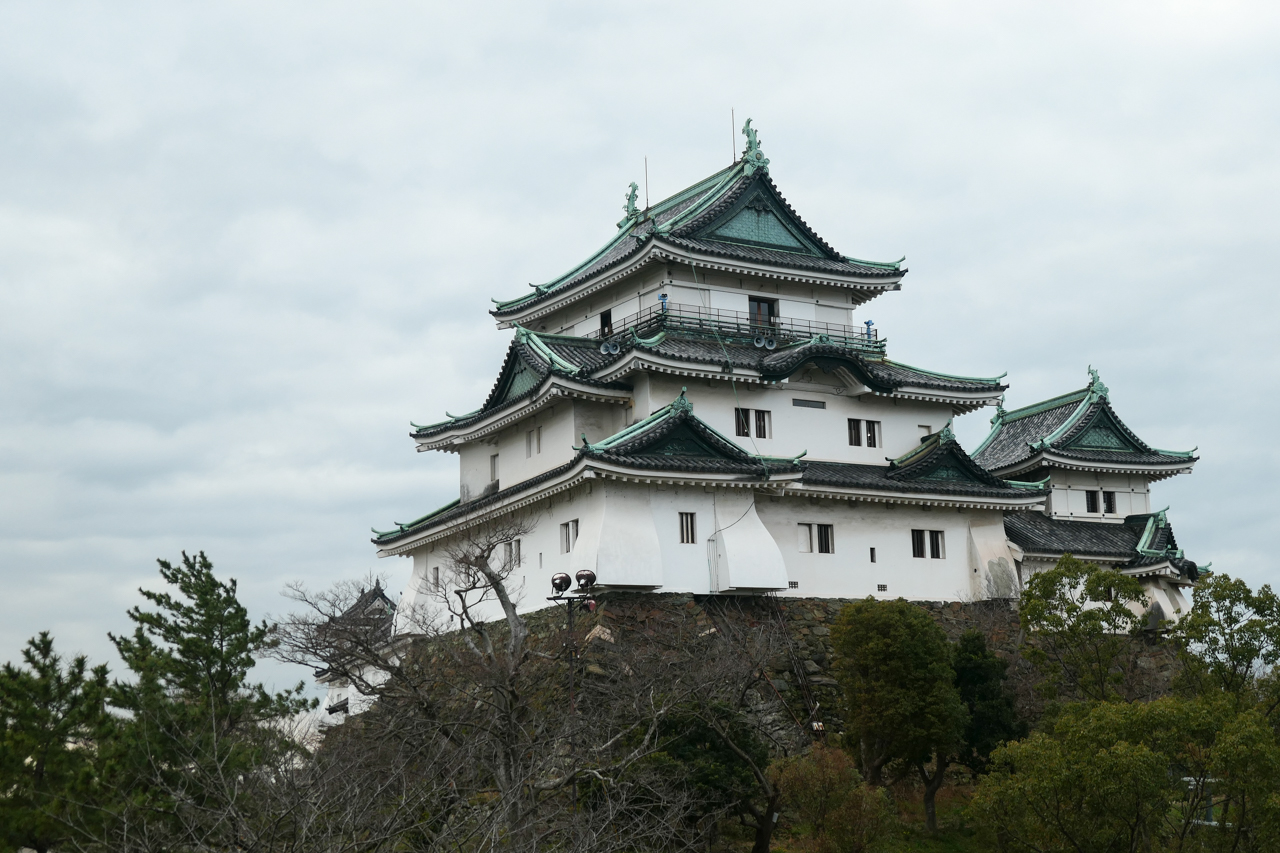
x: 493, y: 468
x: 826, y: 539
x: 688, y: 528
x: 917, y: 544
x: 528, y: 444
x: 1090, y: 501
x: 793, y: 584
x: 808, y: 404
x: 882, y: 587
x: 762, y: 311
x: 873, y: 555
x: 537, y: 440
x: 511, y: 553
x: 742, y: 422
x: 873, y: 433
x: 1109, y: 502
x: 568, y: 536
x: 855, y: 432
x: 806, y: 538
x: 764, y: 424
x: 435, y: 578
x: 937, y: 545
x: 606, y: 322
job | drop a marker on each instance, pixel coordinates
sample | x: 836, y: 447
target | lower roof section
x: 1142, y: 541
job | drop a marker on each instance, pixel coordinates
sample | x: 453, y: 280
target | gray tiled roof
x: 1069, y: 421
x: 1040, y: 534
x: 687, y: 234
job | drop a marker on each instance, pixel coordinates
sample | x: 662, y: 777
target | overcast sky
x: 242, y: 245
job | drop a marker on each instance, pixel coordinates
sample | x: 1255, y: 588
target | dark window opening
x: 937, y: 545
x: 606, y: 322
x: 873, y: 555
x: 1109, y: 502
x: 763, y: 424
x: 1091, y: 501
x: 793, y: 584
x: 762, y: 311
x: 826, y: 539
x: 809, y: 404
x: 742, y: 422
x: 688, y: 528
x: 917, y: 544
x: 873, y: 433
x: 855, y: 432
x: 882, y: 587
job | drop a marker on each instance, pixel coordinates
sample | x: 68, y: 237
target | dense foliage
x: 672, y: 740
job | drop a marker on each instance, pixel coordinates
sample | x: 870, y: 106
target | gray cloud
x: 241, y: 247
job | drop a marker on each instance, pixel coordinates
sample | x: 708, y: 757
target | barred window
x: 855, y: 432
x: 688, y: 528
x: 764, y: 424
x: 937, y: 545
x: 873, y: 433
x: 1090, y: 501
x: 1109, y: 502
x: 917, y: 544
x: 742, y: 422
x: 806, y: 538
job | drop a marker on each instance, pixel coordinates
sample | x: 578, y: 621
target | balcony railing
x: 740, y: 327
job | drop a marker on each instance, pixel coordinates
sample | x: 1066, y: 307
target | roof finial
x: 946, y: 434
x: 1095, y: 383
x: 681, y: 403
x: 752, y: 157
x: 631, y: 209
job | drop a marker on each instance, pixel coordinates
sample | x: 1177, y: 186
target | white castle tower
x: 696, y: 408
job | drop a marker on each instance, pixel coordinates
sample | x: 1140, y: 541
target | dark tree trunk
x: 766, y: 824
x: 931, y: 786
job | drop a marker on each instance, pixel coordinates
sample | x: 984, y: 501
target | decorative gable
x: 681, y: 441
x: 521, y: 379
x: 1103, y: 432
x: 758, y: 218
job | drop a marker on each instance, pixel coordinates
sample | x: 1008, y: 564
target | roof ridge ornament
x: 631, y: 210
x: 681, y: 403
x: 752, y: 157
x: 946, y: 434
x: 1095, y: 384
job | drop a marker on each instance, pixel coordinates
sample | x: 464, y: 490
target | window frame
x: 918, y: 544
x: 937, y: 545
x: 826, y: 532
x: 855, y: 432
x: 771, y: 312
x: 493, y: 467
x: 1091, y: 500
x: 688, y: 528
x: 568, y: 536
x: 1109, y: 503
x: 606, y: 322
x: 763, y: 419
x: 874, y: 434
x: 742, y: 422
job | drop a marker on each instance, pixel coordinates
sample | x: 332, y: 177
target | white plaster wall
x: 1067, y: 494
x: 560, y: 427
x: 685, y: 568
x: 849, y: 572
x: 796, y: 310
x: 824, y: 433
x: 744, y: 555
x: 622, y: 547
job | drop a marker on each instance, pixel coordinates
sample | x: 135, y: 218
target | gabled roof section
x: 939, y: 457
x: 1080, y: 429
x: 673, y: 438
x: 737, y: 212
x: 531, y: 359
x: 1142, y: 541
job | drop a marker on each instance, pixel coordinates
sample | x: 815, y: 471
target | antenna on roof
x: 646, y: 182
x: 733, y: 138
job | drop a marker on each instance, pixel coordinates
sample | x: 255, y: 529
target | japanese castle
x: 694, y: 409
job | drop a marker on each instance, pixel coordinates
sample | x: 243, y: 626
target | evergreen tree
x: 51, y: 720
x: 895, y: 668
x: 980, y: 680
x: 197, y: 726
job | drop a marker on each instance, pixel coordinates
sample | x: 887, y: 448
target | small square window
x: 568, y: 536
x: 882, y: 587
x: 873, y: 433
x: 826, y: 539
x: 937, y: 545
x: 806, y: 538
x: 764, y: 424
x: 855, y: 432
x: 1109, y: 502
x: 1091, y: 501
x: 793, y: 584
x: 873, y: 555
x: 917, y: 544
x: 688, y: 528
